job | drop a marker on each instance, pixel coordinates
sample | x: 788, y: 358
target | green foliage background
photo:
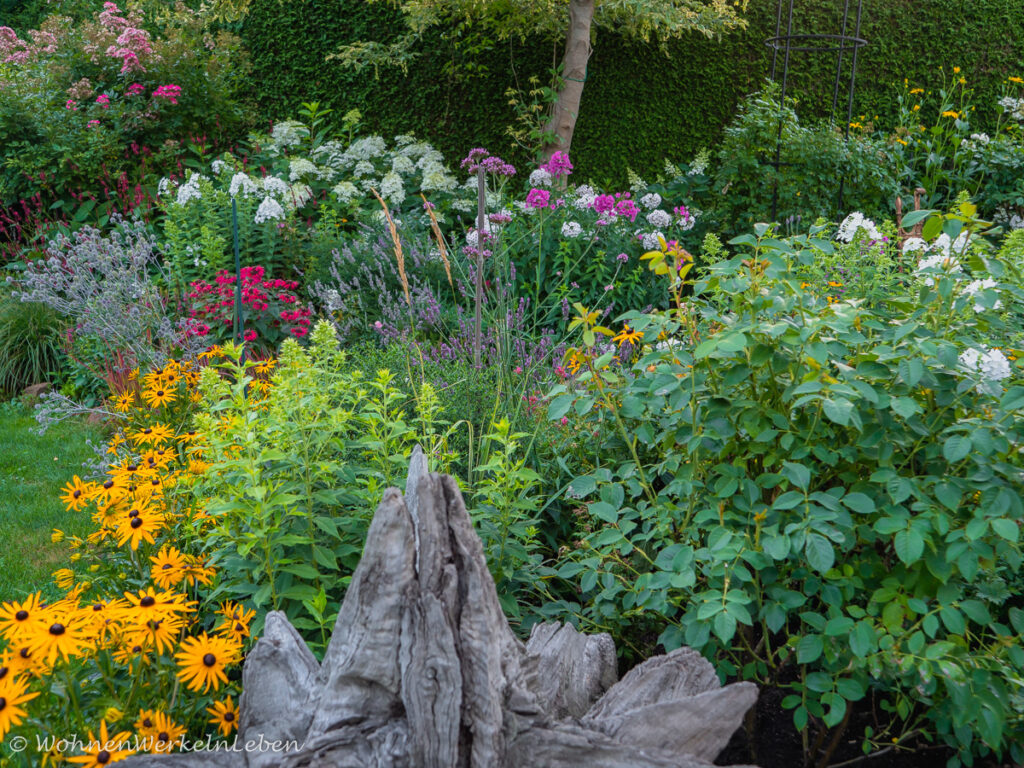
x: 639, y: 105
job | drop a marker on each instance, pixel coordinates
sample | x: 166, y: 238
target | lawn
x: 33, y: 468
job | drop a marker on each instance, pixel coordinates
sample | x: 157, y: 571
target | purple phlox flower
x: 558, y: 164
x: 538, y: 198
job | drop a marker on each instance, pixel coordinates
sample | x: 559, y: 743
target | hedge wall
x: 639, y: 106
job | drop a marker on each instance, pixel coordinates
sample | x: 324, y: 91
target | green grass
x: 33, y: 469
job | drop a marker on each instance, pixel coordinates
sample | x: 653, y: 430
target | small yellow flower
x: 917, y: 108
x: 916, y: 90
x: 951, y: 113
x: 956, y: 70
x: 1016, y: 80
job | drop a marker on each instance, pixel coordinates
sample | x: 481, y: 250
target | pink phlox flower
x: 558, y: 164
x: 537, y: 198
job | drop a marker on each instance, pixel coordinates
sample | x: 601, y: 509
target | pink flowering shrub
x: 85, y: 104
x: 272, y: 310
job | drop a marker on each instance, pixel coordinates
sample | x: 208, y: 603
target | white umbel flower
x: 975, y: 286
x: 853, y: 224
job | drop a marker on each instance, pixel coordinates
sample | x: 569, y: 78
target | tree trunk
x: 574, y: 73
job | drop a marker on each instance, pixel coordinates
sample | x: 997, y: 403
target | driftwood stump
x: 423, y: 671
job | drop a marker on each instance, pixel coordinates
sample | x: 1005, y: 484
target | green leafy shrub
x: 30, y: 344
x: 818, y: 495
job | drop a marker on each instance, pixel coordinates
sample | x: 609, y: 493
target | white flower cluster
x: 652, y: 240
x: 635, y: 182
x: 163, y: 186
x: 943, y: 254
x: 1014, y: 107
x: 976, y: 286
x: 976, y: 142
x: 269, y: 210
x: 700, y: 163
x: 540, y: 178
x: 218, y: 166
x: 241, y: 182
x: 190, y: 190
x: 585, y: 197
x: 288, y: 133
x: 853, y: 224
x: 990, y: 365
x: 300, y: 168
x: 392, y: 189
x: 276, y: 187
x: 571, y: 229
x: 346, y: 192
x: 659, y: 219
x: 650, y: 200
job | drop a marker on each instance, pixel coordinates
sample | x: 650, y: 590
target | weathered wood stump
x: 423, y: 671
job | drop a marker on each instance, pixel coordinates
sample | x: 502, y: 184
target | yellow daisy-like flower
x: 61, y: 635
x: 166, y: 734
x: 148, y: 604
x: 951, y: 113
x: 203, y: 660
x: 145, y: 725
x: 159, y: 634
x: 17, y: 618
x: 158, y: 434
x: 138, y: 528
x: 158, y: 397
x: 168, y: 569
x: 188, y: 437
x: 235, y: 621
x: 64, y: 578
x: 13, y: 693
x: 131, y: 654
x: 124, y: 402
x: 76, y: 493
x: 105, y: 749
x: 628, y: 336
x: 917, y: 90
x: 224, y: 716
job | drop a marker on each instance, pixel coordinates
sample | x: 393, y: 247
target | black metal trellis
x: 846, y: 41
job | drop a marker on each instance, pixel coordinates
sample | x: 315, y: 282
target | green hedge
x: 639, y: 106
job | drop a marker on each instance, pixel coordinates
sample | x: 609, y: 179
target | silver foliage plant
x: 107, y: 286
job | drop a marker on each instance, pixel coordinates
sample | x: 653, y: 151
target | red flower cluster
x: 270, y: 306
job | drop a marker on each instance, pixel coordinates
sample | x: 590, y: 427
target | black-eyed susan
x: 132, y: 655
x: 156, y: 434
x: 64, y: 578
x: 168, y: 569
x: 157, y: 397
x: 224, y: 714
x: 235, y: 621
x: 145, y: 724
x: 106, y: 620
x: 203, y: 660
x: 13, y: 693
x: 124, y: 402
x: 17, y: 618
x: 142, y: 526
x: 628, y: 336
x: 158, y: 634
x: 166, y: 734
x: 103, y: 749
x: 75, y: 494
x: 197, y: 572
x: 148, y: 604
x: 61, y: 634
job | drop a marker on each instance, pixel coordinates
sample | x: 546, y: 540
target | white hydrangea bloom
x: 363, y: 169
x: 402, y: 164
x: 465, y: 206
x: 331, y: 153
x: 218, y: 166
x: 392, y: 189
x: 652, y: 240
x: 366, y: 148
x: 975, y: 286
x: 289, y: 133
x: 659, y: 218
x: 635, y: 182
x: 430, y: 157
x: 346, y: 192
x: 436, y: 179
x: 276, y: 187
x: 651, y: 200
x: 1014, y: 107
x: 269, y: 210
x: 189, y: 190
x: 700, y: 162
x: 854, y: 223
x: 300, y: 167
x: 994, y: 365
x: 540, y: 178
x: 571, y: 229
x: 988, y: 365
x: 241, y: 182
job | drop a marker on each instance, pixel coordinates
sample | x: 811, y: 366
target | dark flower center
x: 147, y: 723
x: 147, y: 601
x: 163, y: 736
x: 21, y: 615
x: 103, y: 757
x: 3, y: 703
x: 3, y: 672
x: 24, y: 653
x: 155, y: 481
x: 239, y: 628
x: 133, y: 468
x: 165, y: 566
x: 160, y: 393
x: 229, y: 717
x: 136, y: 649
x: 133, y: 513
x: 136, y: 522
x: 109, y: 484
x: 209, y: 659
x: 154, y: 624
x: 77, y: 493
x: 147, y: 431
x: 97, y: 606
x: 57, y: 629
